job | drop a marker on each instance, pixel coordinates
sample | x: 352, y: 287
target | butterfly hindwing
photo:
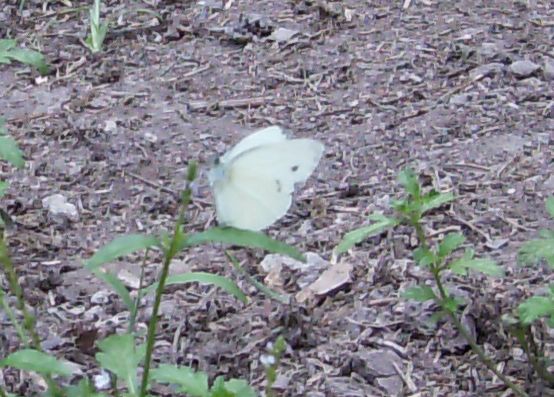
x: 252, y: 205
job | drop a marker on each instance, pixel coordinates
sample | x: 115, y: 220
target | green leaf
x: 119, y: 247
x: 424, y: 256
x: 10, y: 152
x: 358, y: 235
x: 203, y: 278
x: 190, y: 382
x: 231, y: 388
x: 451, y: 304
x: 3, y: 188
x: 409, y: 180
x: 5, y: 46
x: 550, y: 206
x: 420, y: 293
x: 240, y: 388
x: 120, y: 356
x: 82, y: 389
x: 117, y: 285
x: 179, y: 240
x: 30, y: 57
x: 243, y: 238
x: 546, y: 234
x: 36, y: 361
x: 9, y: 52
x: 483, y: 265
x: 535, y: 250
x: 535, y: 308
x: 434, y: 200
x: 450, y: 243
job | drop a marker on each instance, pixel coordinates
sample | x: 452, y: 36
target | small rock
x: 52, y: 342
x: 488, y: 70
x: 129, y: 279
x: 332, y: 279
x: 460, y: 99
x: 274, y: 262
x: 102, y: 381
x: 94, y: 313
x: 282, y: 35
x: 110, y: 125
x: 100, y: 298
x: 489, y: 50
x: 150, y: 137
x: 524, y: 68
x: 392, y: 384
x: 58, y: 207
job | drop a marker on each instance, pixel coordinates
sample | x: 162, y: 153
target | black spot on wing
x: 294, y: 168
x: 279, y: 185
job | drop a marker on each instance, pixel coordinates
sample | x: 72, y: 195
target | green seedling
x: 438, y: 258
x: 10, y: 52
x: 98, y: 30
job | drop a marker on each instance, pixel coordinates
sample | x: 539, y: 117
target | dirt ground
x: 462, y: 91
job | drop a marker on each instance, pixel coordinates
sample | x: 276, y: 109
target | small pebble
x: 524, y: 68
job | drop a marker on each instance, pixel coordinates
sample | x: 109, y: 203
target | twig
x: 153, y: 184
x: 229, y: 103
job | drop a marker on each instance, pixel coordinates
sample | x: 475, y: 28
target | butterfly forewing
x: 254, y: 181
x: 259, y: 138
x: 286, y: 163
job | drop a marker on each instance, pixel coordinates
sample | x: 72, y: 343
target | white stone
x: 58, y: 206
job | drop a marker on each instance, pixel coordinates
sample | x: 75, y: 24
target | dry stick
x: 461, y: 329
x: 229, y: 103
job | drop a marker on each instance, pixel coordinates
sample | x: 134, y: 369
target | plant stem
x: 13, y: 318
x: 525, y: 339
x: 168, y: 256
x: 420, y: 234
x: 473, y: 344
x: 17, y: 291
x: 140, y: 293
x: 436, y: 270
x: 28, y: 318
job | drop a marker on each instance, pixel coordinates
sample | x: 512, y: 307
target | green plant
x: 98, y: 30
x: 271, y: 362
x: 10, y: 52
x: 120, y: 354
x: 31, y: 357
x: 537, y: 307
x: 437, y: 258
x: 10, y: 152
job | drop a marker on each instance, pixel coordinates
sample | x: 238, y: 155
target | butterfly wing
x: 245, y: 207
x: 261, y: 137
x: 258, y: 183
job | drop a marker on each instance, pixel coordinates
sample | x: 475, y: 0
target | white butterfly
x: 253, y: 182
